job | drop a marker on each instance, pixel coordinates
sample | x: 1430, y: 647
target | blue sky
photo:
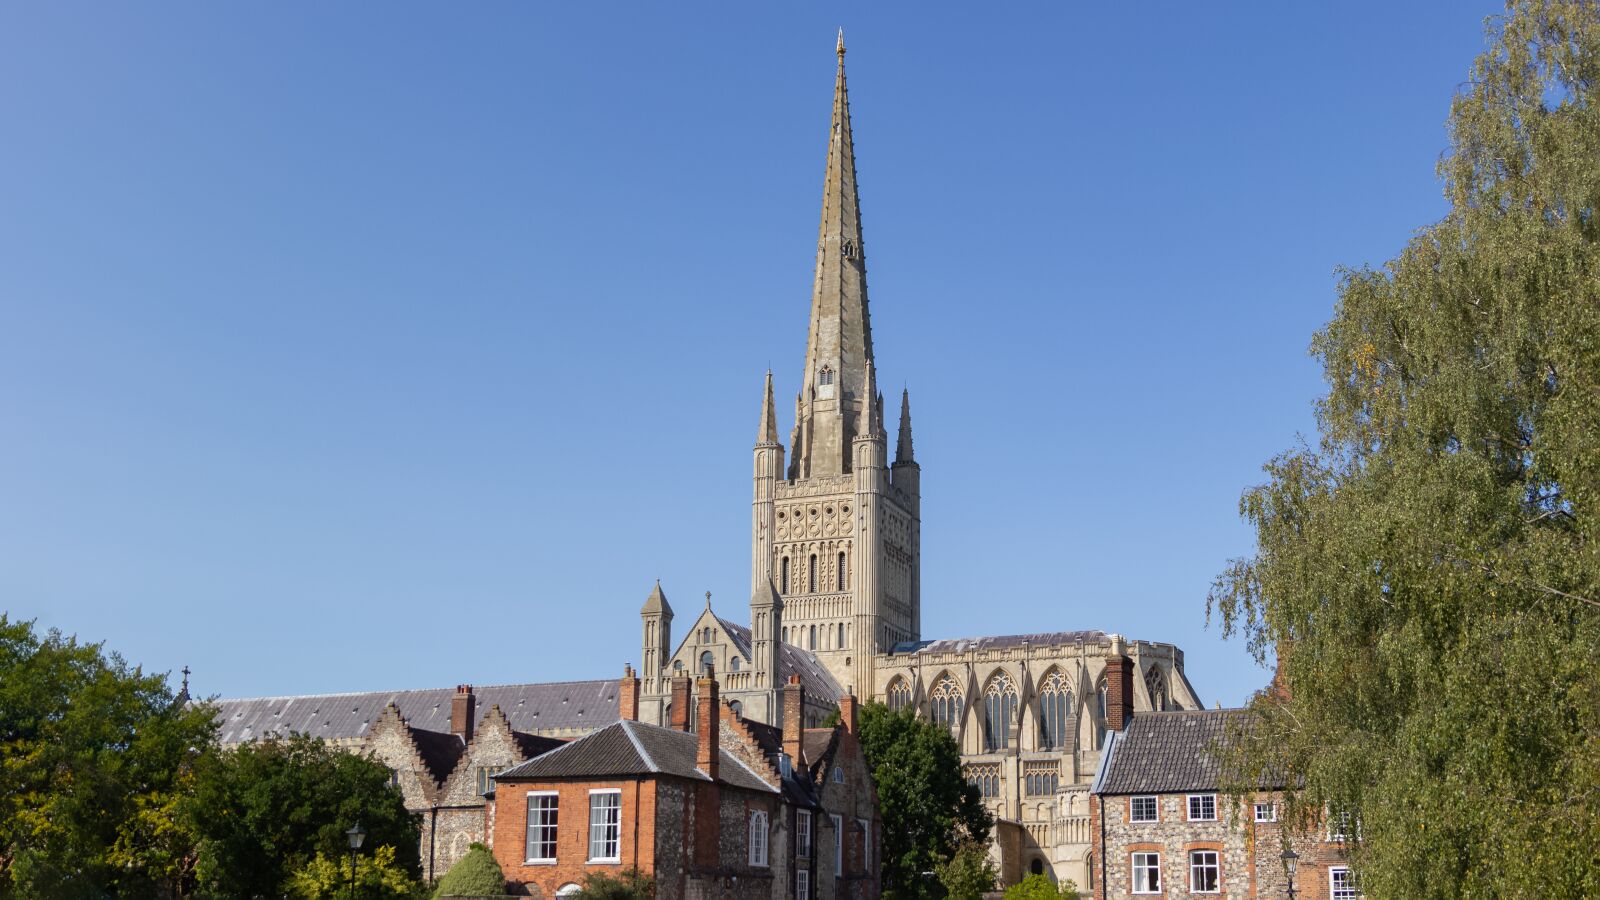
x: 363, y: 346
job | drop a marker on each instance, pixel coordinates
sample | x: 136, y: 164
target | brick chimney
x: 1119, y: 687
x: 708, y: 755
x: 680, y: 704
x: 463, y: 712
x: 847, y: 712
x: 794, y: 723
x: 628, y: 695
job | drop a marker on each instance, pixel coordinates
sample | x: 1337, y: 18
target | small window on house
x: 838, y: 846
x: 605, y: 825
x: 485, y: 779
x: 1266, y: 812
x: 569, y: 889
x: 1146, y: 873
x: 1202, y: 807
x: 866, y: 843
x: 758, y: 838
x: 1342, y: 884
x: 1142, y: 809
x: 802, y: 834
x: 802, y: 884
x: 1205, y: 876
x: 838, y: 775
x: 1339, y: 827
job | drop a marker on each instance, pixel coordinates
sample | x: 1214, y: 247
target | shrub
x: 474, y: 875
x: 630, y: 885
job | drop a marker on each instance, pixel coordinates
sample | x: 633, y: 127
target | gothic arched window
x: 899, y: 694
x: 825, y: 377
x: 784, y: 584
x: 999, y: 711
x: 706, y: 662
x: 1055, y: 705
x: 945, y: 703
x: 841, y: 570
x: 1156, y: 684
x: 812, y: 584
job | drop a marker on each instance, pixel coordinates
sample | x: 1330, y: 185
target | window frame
x: 1155, y: 808
x: 758, y: 838
x: 1202, y: 798
x: 802, y: 833
x: 838, y: 844
x: 553, y: 826
x: 597, y: 792
x: 1149, y: 867
x: 1195, y: 865
x: 802, y: 884
x: 1349, y: 891
x: 1271, y: 810
x: 866, y: 843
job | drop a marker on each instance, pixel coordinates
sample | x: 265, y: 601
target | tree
x: 93, y: 756
x: 630, y: 884
x: 1429, y: 572
x: 263, y: 811
x: 377, y: 875
x: 929, y: 810
x: 968, y: 874
x: 1040, y: 887
x: 474, y: 875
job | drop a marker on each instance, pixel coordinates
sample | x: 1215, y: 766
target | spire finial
x: 841, y: 42
x: 708, y: 599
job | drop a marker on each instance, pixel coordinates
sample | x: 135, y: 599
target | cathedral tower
x: 838, y: 534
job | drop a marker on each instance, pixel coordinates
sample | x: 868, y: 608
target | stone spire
x: 768, y: 432
x: 872, y: 410
x: 902, y: 449
x: 839, y: 338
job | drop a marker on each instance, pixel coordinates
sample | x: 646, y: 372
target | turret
x: 906, y: 474
x: 766, y: 626
x: 656, y: 618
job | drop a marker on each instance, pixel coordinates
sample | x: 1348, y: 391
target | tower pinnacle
x: 768, y: 432
x: 902, y: 449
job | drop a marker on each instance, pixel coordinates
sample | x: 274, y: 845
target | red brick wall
x: 510, y: 825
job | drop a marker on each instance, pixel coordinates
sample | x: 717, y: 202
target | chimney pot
x: 463, y: 713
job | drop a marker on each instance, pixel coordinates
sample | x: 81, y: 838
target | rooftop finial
x: 841, y: 42
x: 708, y: 599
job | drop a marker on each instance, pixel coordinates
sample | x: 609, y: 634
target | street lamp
x: 1291, y: 860
x: 355, y: 835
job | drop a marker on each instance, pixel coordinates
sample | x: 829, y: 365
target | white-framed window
x: 1340, y: 828
x: 838, y: 846
x: 758, y: 838
x: 802, y: 834
x: 543, y: 813
x: 1147, y: 873
x: 866, y: 844
x: 1342, y: 884
x: 1142, y: 809
x: 802, y: 884
x: 1202, y: 807
x: 1205, y: 873
x: 605, y: 825
x: 1266, y: 812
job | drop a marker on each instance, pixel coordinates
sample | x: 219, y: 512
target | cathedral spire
x: 839, y: 337
x: 768, y: 432
x: 902, y: 449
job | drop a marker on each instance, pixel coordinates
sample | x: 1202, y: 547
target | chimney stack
x: 628, y: 695
x: 847, y: 712
x: 794, y: 723
x: 1119, y: 687
x: 708, y: 711
x: 463, y: 711
x: 680, y: 704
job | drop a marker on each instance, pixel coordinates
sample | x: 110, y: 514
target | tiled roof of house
x: 633, y: 748
x: 997, y: 642
x: 564, y: 707
x: 791, y: 661
x: 1166, y: 752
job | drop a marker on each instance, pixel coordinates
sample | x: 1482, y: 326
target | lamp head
x: 356, y: 836
x: 1291, y: 859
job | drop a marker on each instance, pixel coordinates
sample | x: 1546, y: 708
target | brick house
x: 1162, y: 826
x: 718, y: 806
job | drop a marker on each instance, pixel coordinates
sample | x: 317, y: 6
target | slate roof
x: 792, y: 660
x: 559, y: 707
x: 1166, y: 752
x: 439, y: 751
x: 633, y: 748
x: 997, y: 642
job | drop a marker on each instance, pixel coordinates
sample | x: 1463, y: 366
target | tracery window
x: 999, y: 711
x: 1156, y: 684
x: 986, y: 778
x: 899, y: 694
x: 945, y: 703
x: 1055, y: 706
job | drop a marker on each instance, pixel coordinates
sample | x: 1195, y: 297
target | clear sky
x: 353, y: 346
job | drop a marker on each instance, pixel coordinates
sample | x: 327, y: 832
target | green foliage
x: 474, y: 875
x: 929, y: 810
x: 1040, y: 887
x: 968, y: 874
x: 631, y: 884
x: 1429, y: 573
x: 264, y: 810
x: 377, y: 875
x: 93, y: 756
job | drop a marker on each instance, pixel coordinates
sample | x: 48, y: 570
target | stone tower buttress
x: 869, y: 462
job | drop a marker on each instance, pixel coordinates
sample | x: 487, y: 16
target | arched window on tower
x: 812, y: 584
x: 945, y: 703
x: 841, y: 635
x: 841, y: 570
x: 899, y: 694
x: 733, y: 664
x: 1156, y: 684
x: 783, y: 585
x: 1055, y: 706
x: 813, y: 645
x: 999, y: 711
x: 825, y: 377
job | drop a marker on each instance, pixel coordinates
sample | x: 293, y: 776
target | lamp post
x: 355, y: 835
x: 1291, y: 860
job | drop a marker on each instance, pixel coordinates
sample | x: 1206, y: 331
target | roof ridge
x: 745, y: 766
x: 649, y: 761
x: 475, y: 689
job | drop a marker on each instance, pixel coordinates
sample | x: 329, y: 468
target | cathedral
x: 835, y: 608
